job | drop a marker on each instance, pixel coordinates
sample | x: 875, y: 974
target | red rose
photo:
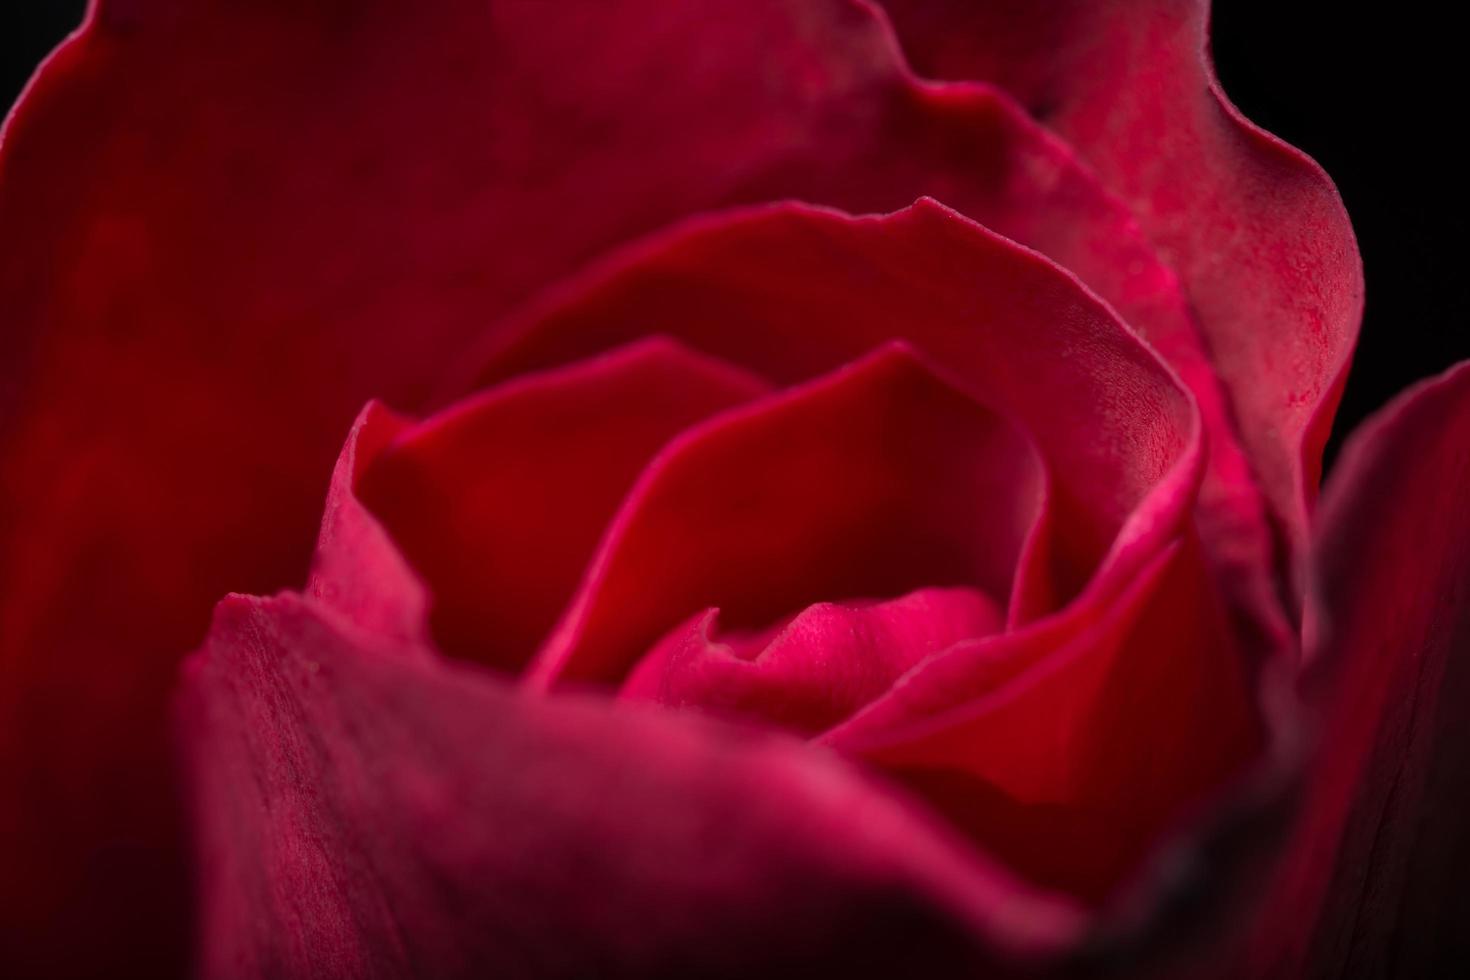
x: 805, y: 517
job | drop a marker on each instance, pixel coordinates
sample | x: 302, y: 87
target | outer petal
x: 369, y: 814
x: 228, y: 224
x: 1254, y: 228
x: 1380, y: 858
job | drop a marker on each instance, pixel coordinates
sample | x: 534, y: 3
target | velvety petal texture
x: 359, y: 569
x: 1071, y: 753
x: 200, y: 290
x: 867, y: 484
x: 894, y: 556
x: 683, y: 420
x: 370, y: 813
x: 814, y: 669
x: 499, y: 501
x: 1254, y: 228
x: 793, y: 291
x: 1376, y: 884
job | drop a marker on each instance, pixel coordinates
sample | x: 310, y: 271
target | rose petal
x: 1073, y: 749
x: 358, y: 568
x: 793, y: 291
x: 815, y: 669
x: 1255, y: 229
x: 228, y: 225
x: 366, y: 813
x: 864, y: 484
x: 1375, y: 879
x: 499, y: 502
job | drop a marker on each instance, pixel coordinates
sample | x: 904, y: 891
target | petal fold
x: 1254, y: 228
x: 358, y: 568
x: 1075, y: 750
x: 865, y: 484
x: 1375, y: 874
x: 364, y: 813
x: 792, y: 292
x: 816, y: 668
x: 226, y: 226
x: 500, y: 500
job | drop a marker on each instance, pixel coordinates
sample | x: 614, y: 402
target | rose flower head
x: 821, y: 487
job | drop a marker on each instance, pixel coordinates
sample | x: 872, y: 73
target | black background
x: 1373, y: 92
